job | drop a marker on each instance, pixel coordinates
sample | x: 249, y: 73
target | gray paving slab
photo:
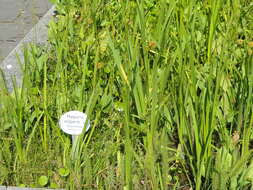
x: 10, y: 65
x: 17, y: 17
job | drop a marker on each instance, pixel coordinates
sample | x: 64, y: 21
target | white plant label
x: 73, y: 122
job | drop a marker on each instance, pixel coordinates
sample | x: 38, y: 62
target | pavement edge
x: 10, y: 65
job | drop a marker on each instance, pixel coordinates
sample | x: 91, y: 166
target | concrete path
x: 17, y: 17
x: 10, y: 65
x: 21, y: 22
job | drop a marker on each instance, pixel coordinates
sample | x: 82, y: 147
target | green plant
x: 167, y: 86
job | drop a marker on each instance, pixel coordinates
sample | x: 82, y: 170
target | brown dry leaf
x: 235, y: 137
x: 250, y: 51
x: 151, y: 44
x: 99, y: 65
x: 250, y: 44
x: 239, y: 41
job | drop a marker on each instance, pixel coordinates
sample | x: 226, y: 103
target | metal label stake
x: 73, y: 123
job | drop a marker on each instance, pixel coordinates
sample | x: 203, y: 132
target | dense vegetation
x: 166, y: 84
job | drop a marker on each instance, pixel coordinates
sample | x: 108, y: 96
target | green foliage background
x: 166, y: 84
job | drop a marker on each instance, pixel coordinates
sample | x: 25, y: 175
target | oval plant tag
x: 73, y: 122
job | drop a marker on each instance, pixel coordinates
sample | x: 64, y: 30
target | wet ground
x: 17, y: 17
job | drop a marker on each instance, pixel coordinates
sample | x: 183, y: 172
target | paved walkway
x: 17, y: 17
